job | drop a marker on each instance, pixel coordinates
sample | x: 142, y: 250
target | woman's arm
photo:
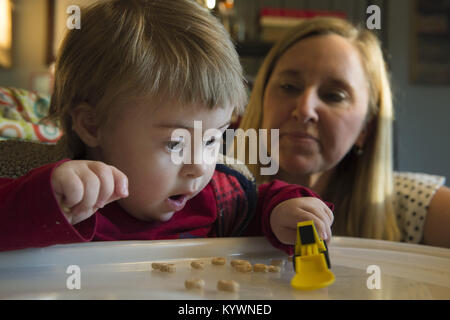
x: 437, y: 222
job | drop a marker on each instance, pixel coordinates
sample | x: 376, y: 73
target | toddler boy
x: 135, y: 72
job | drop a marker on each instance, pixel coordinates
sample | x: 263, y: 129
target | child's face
x: 139, y: 143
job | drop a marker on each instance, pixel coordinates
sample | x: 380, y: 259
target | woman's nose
x: 306, y: 106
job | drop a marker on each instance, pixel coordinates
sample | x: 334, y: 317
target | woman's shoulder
x: 416, y: 178
x: 412, y: 195
x: 415, y: 189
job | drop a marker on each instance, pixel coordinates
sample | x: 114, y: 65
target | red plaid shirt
x: 230, y: 205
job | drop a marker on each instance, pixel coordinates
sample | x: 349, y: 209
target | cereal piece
x: 168, y: 267
x: 200, y: 265
x: 218, y: 261
x: 194, y: 283
x: 274, y: 269
x: 277, y: 262
x: 236, y: 262
x: 243, y: 267
x: 157, y: 265
x: 228, y: 285
x: 259, y: 267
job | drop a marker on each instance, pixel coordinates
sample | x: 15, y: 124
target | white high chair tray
x: 122, y: 270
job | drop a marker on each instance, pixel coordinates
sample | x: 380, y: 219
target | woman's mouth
x: 299, y: 135
x: 299, y: 138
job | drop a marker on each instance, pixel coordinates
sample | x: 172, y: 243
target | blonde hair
x: 362, y: 186
x: 172, y: 49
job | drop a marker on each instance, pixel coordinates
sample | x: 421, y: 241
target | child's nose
x: 194, y: 170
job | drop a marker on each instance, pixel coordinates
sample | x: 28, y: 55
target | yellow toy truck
x: 311, y: 260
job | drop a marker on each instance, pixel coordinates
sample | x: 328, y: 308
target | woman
x: 326, y: 88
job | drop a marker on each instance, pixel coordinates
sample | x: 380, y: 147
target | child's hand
x: 82, y: 187
x: 285, y: 216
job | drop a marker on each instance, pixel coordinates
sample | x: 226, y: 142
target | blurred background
x: 415, y: 35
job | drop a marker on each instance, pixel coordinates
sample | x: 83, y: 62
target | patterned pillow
x: 21, y: 112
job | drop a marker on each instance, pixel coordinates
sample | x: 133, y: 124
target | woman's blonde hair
x: 362, y: 186
x: 168, y: 49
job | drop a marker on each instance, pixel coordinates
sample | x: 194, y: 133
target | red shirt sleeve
x: 31, y: 217
x: 269, y: 196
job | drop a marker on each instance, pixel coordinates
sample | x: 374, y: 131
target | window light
x: 5, y: 32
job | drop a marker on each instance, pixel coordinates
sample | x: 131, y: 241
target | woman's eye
x: 334, y: 96
x: 175, y: 146
x: 289, y: 88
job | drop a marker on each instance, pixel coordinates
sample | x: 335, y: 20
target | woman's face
x: 317, y: 95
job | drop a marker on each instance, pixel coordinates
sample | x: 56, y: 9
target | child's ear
x: 84, y: 123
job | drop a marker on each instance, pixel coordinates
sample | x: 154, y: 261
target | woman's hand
x: 81, y: 187
x: 285, y: 216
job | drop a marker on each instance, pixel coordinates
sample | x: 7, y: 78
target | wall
x: 247, y: 12
x: 422, y: 112
x: 29, y: 43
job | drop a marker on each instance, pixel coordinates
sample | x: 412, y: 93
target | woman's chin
x: 298, y: 165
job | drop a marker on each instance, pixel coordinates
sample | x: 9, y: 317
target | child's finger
x: 317, y: 207
x: 329, y: 214
x: 78, y: 214
x: 91, y: 185
x: 106, y: 179
x: 69, y: 189
x: 322, y: 227
x: 120, y: 185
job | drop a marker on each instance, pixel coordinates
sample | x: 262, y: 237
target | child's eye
x: 211, y: 141
x: 175, y: 146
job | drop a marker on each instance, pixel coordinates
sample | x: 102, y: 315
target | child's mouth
x: 177, y: 202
